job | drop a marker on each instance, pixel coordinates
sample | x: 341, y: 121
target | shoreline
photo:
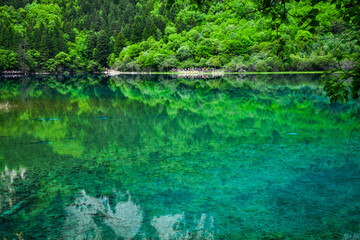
x: 182, y: 73
x: 219, y: 73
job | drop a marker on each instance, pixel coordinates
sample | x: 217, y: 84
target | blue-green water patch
x: 241, y: 157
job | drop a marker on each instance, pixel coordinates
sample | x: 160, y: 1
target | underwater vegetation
x: 125, y: 218
x: 250, y: 157
x: 10, y: 179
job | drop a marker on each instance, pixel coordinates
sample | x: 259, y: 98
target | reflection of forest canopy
x: 143, y: 132
x: 226, y: 106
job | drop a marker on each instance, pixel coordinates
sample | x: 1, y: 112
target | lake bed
x: 151, y: 157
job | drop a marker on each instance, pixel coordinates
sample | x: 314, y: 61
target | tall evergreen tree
x: 44, y: 46
x: 22, y: 57
x: 69, y: 30
x: 137, y: 30
x: 146, y: 32
x: 91, y: 44
x: 126, y: 30
x: 2, y: 34
x: 37, y: 36
x: 9, y: 38
x: 103, y: 49
x: 120, y: 43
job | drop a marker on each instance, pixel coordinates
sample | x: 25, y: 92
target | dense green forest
x: 153, y: 35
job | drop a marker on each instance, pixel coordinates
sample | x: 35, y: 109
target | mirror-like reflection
x: 234, y: 157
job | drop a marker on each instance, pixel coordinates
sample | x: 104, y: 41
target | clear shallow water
x: 238, y: 157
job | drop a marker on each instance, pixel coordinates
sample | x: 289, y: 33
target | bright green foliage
x: 336, y: 79
x: 62, y: 61
x: 143, y: 35
x: 301, y: 41
x: 235, y: 47
x: 183, y: 53
x: 8, y: 60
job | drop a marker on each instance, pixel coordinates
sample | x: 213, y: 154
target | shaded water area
x: 151, y: 157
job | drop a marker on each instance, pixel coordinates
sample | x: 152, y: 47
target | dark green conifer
x: 44, y: 46
x: 120, y: 43
x: 69, y: 30
x: 91, y: 44
x: 103, y: 49
x: 137, y: 30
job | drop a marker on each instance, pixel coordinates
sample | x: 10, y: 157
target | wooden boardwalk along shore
x: 12, y: 73
x: 221, y: 72
x: 218, y: 73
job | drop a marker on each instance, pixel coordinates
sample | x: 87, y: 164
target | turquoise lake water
x: 156, y: 157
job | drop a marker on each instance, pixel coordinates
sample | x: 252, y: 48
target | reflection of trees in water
x: 9, y: 182
x: 125, y: 219
x: 238, y: 119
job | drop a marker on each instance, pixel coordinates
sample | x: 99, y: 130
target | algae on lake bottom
x: 249, y: 157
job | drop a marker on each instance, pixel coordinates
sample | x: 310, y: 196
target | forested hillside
x: 153, y: 35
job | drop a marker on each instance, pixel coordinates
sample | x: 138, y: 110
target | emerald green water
x: 151, y: 157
